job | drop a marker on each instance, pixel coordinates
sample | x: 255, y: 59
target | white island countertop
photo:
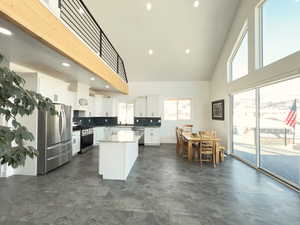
x: 123, y: 136
x: 118, y: 153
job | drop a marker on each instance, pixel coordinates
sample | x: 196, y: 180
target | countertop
x: 128, y: 126
x: 123, y: 136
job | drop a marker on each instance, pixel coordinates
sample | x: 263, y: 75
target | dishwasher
x: 142, y: 129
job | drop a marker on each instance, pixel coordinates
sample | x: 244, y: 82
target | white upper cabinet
x: 140, y: 109
x: 98, y: 105
x: 109, y: 107
x: 91, y: 106
x: 81, y: 99
x: 153, y: 106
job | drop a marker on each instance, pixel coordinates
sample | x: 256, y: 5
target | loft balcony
x: 68, y: 28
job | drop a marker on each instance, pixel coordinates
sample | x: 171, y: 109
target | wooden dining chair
x: 210, y: 134
x: 184, y: 144
x: 187, y: 128
x: 206, y: 153
x: 220, y: 153
x: 178, y: 140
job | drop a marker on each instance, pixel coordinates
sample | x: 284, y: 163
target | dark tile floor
x: 161, y: 189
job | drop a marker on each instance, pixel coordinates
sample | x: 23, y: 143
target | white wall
x: 30, y: 167
x: 220, y: 89
x: 199, y: 92
x: 48, y: 87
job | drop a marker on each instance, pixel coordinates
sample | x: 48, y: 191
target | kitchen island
x: 118, y: 153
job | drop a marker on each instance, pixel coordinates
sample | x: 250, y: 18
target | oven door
x: 86, y: 140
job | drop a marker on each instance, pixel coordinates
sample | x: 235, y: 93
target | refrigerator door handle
x: 62, y: 123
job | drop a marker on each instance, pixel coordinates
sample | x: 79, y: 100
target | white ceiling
x: 171, y: 27
x: 24, y: 50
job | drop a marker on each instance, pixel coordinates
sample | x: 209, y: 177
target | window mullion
x: 257, y: 133
x: 177, y: 102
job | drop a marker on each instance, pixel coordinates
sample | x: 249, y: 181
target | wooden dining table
x: 190, y: 138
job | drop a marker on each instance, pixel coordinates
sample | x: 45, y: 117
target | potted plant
x: 16, y: 102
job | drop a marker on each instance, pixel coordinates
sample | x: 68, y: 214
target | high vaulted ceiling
x: 171, y: 27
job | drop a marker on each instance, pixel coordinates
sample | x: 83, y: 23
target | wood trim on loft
x: 34, y: 18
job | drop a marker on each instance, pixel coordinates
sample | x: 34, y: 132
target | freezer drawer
x: 58, y: 155
x: 59, y: 160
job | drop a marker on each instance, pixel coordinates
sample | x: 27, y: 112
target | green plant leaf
x: 15, y: 102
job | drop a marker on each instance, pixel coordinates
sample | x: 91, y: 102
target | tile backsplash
x: 96, y: 121
x: 105, y: 121
x: 113, y: 121
x: 147, y: 121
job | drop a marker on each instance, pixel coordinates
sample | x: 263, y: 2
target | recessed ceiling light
x: 196, y: 3
x: 107, y: 86
x: 5, y: 31
x: 66, y: 64
x: 81, y: 11
x: 187, y: 51
x: 149, y: 6
x: 92, y: 78
x: 150, y: 52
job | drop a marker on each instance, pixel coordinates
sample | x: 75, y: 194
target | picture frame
x: 218, y: 110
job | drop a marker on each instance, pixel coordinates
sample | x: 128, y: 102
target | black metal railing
x: 77, y: 16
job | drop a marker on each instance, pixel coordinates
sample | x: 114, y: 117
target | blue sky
x: 281, y: 33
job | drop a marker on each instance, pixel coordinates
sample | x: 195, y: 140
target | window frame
x: 259, y: 38
x: 177, y: 105
x: 236, y: 47
x: 230, y: 144
x: 126, y: 103
x: 259, y: 46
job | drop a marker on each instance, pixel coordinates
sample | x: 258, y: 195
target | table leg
x: 190, y: 151
x: 178, y: 148
x: 215, y: 154
x: 217, y: 157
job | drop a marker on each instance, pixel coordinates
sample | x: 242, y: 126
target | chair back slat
x: 187, y: 128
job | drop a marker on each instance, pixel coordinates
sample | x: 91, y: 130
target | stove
x: 86, y: 138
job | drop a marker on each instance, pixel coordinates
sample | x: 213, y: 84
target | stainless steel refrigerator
x: 54, y: 138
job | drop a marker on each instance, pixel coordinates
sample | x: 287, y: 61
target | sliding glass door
x: 276, y: 128
x: 279, y: 130
x: 244, y: 126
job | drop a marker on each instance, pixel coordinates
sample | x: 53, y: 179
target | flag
x: 291, y: 119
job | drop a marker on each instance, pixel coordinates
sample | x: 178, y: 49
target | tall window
x: 244, y: 126
x: 126, y: 113
x: 276, y: 130
x: 279, y: 129
x: 177, y: 109
x: 280, y: 33
x: 238, y: 62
